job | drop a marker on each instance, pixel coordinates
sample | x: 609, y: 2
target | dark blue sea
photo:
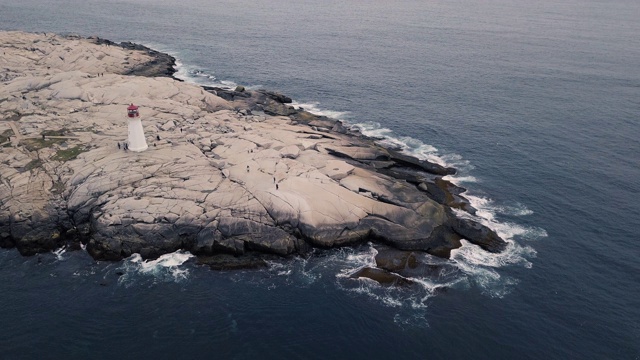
x: 537, y: 103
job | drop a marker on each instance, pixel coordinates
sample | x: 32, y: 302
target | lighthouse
x: 137, y: 141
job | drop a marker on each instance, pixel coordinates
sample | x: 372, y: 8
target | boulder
x: 479, y: 234
x: 278, y: 109
x: 411, y: 264
x: 168, y: 126
x: 291, y: 151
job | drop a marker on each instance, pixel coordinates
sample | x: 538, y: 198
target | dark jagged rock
x: 228, y: 94
x: 161, y: 65
x: 447, y: 193
x: 277, y: 97
x: 278, y: 109
x: 395, y: 260
x: 37, y: 241
x: 410, y: 264
x: 305, y: 117
x: 6, y: 241
x: 479, y: 234
x: 410, y: 161
x: 402, y: 174
x: 443, y: 240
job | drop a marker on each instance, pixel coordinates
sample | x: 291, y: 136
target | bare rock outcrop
x: 235, y: 172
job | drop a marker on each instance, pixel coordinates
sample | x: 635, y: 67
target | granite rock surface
x: 227, y: 171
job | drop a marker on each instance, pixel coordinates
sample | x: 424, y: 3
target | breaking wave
x: 199, y: 76
x: 188, y: 72
x: 59, y: 252
x: 314, y: 107
x: 166, y: 268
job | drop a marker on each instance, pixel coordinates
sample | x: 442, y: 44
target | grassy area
x: 69, y: 154
x: 37, y: 144
x: 60, y: 132
x: 36, y: 163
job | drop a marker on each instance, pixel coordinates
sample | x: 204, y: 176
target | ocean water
x: 536, y: 103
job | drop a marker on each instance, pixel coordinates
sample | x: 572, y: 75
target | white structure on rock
x: 137, y: 141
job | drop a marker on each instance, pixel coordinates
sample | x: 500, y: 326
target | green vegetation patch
x: 36, y: 163
x: 60, y: 132
x: 83, y: 129
x: 69, y: 154
x: 37, y: 144
x: 46, y: 140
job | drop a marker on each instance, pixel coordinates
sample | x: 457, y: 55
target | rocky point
x: 229, y: 173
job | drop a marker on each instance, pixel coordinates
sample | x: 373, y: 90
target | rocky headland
x: 231, y: 175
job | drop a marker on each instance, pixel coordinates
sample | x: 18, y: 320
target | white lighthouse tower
x: 137, y: 141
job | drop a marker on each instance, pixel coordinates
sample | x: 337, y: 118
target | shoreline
x: 332, y: 186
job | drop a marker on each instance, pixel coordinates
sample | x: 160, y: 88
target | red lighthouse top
x: 132, y: 111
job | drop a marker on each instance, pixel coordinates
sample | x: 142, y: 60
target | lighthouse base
x: 143, y: 148
x: 137, y: 141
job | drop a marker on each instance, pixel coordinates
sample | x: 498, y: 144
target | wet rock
x: 6, y: 240
x: 38, y: 240
x: 411, y: 264
x: 447, y: 193
x: 161, y: 64
x: 278, y: 109
x: 427, y: 166
x: 479, y: 234
x: 395, y: 260
x: 277, y: 97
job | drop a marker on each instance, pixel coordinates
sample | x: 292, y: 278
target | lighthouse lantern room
x: 136, y: 142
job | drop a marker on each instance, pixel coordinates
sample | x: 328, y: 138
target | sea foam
x: 59, y: 252
x: 167, y: 267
